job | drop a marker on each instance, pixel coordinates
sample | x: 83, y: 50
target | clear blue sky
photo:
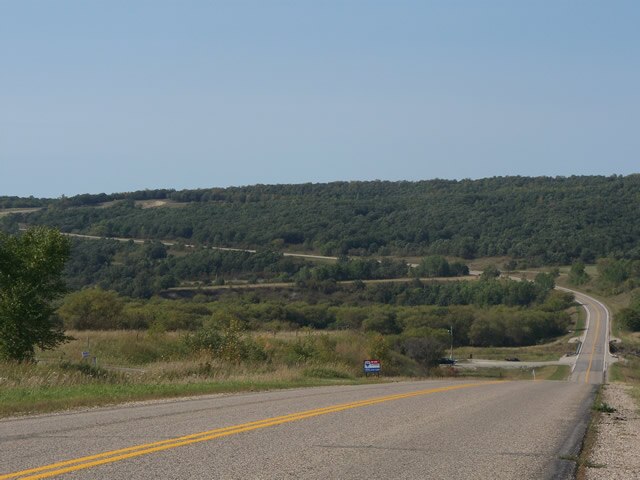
x: 105, y: 96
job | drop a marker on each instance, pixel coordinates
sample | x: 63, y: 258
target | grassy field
x: 47, y: 388
x: 536, y: 353
x: 551, y: 372
x: 128, y: 366
x: 8, y: 211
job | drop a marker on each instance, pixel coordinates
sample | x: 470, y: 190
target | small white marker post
x: 533, y: 371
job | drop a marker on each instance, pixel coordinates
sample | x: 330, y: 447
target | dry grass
x: 159, y: 203
x: 8, y: 211
x: 133, y: 365
x: 482, y: 263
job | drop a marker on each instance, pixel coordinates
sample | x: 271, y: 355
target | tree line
x: 144, y: 270
x: 544, y: 220
x: 414, y: 314
x: 480, y: 325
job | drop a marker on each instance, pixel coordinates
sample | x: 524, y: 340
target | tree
x: 424, y: 350
x: 433, y: 266
x: 577, y: 274
x: 92, y: 309
x: 545, y: 280
x: 31, y: 267
x: 491, y: 271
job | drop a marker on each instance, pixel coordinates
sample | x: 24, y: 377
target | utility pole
x: 451, y: 332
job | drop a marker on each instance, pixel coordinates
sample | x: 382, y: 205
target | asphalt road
x: 503, y: 430
x: 592, y: 361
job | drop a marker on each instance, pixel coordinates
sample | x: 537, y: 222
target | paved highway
x: 592, y: 361
x: 429, y: 429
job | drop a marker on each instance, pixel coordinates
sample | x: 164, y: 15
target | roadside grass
x: 534, y: 353
x: 579, y: 317
x: 27, y: 400
x: 549, y: 372
x: 39, y: 388
x: 561, y: 373
x: 133, y: 365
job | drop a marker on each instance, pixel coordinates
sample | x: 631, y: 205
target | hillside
x: 543, y: 220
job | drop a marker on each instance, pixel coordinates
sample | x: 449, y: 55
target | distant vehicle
x: 447, y: 361
x: 512, y: 359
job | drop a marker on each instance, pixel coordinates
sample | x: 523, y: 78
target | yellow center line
x: 112, y: 456
x: 593, y: 348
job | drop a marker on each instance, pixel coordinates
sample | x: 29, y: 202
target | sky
x: 121, y: 95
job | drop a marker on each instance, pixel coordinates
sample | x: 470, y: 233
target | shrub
x: 324, y: 372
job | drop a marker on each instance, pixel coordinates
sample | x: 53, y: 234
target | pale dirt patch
x: 157, y: 203
x: 150, y: 203
x: 616, y: 454
x: 8, y: 211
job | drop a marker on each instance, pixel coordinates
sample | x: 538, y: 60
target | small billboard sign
x: 85, y: 355
x: 372, y: 366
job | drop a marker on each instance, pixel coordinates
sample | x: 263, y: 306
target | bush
x: 324, y: 372
x: 226, y: 342
x: 630, y: 318
x: 92, y: 309
x: 424, y: 350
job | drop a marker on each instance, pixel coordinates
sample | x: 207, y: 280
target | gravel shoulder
x: 616, y: 451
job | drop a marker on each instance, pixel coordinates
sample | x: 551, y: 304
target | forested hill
x: 544, y: 219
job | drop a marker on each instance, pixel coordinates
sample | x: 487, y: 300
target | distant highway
x: 593, y: 359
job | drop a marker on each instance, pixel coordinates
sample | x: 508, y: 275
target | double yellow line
x: 112, y: 456
x: 593, y: 348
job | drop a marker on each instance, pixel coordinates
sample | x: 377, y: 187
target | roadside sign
x: 85, y: 355
x: 372, y: 366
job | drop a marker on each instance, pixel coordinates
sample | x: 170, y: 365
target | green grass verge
x: 534, y: 353
x: 561, y: 372
x: 551, y: 372
x: 581, y: 321
x: 48, y: 399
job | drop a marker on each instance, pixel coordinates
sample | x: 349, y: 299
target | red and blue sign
x: 372, y: 366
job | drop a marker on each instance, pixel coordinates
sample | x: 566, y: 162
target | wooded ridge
x: 543, y: 219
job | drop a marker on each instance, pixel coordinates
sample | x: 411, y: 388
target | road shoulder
x: 617, y: 443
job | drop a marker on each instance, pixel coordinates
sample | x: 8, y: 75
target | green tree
x: 630, y: 318
x: 490, y: 272
x: 425, y: 350
x: 379, y: 348
x: 433, y: 266
x: 92, y: 309
x: 31, y: 267
x: 577, y: 274
x: 382, y: 322
x: 545, y: 280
